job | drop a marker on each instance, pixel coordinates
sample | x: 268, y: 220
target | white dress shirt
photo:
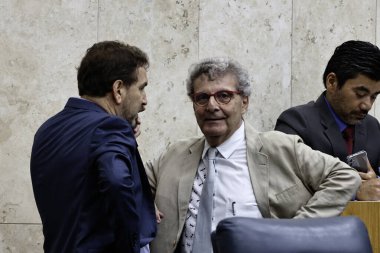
x: 234, y: 194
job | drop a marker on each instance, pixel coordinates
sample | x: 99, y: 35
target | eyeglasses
x: 222, y: 97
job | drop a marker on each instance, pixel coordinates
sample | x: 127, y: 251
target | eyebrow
x: 362, y: 88
x: 365, y: 89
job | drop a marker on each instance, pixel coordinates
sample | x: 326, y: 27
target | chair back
x: 314, y: 235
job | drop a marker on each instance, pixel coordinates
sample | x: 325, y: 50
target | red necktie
x: 348, y: 135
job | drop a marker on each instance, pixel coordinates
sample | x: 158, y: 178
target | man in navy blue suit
x: 352, y: 82
x: 88, y: 179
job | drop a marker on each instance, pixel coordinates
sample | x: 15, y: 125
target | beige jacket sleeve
x: 304, y: 182
x: 333, y: 182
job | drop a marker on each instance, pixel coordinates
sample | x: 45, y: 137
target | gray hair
x: 216, y: 68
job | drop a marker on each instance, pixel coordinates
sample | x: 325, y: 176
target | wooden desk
x: 369, y: 213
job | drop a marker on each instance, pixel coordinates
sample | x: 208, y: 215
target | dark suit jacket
x: 315, y: 124
x: 89, y: 183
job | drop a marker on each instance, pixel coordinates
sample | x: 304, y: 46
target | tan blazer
x: 289, y: 179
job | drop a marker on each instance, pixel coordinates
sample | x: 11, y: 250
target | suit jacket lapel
x: 258, y: 169
x: 188, y: 170
x: 331, y: 131
x: 360, y: 137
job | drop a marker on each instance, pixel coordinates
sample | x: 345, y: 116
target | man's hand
x: 370, y: 173
x: 159, y: 215
x: 369, y: 190
x: 136, y: 127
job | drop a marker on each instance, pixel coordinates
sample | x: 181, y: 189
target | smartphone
x: 358, y: 161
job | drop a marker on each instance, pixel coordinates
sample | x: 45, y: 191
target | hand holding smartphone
x: 358, y: 161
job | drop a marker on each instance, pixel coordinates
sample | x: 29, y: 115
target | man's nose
x: 145, y: 100
x: 212, y: 103
x: 366, y: 104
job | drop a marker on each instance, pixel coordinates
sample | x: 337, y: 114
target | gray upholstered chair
x: 318, y: 235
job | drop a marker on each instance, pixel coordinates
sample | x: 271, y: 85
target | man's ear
x: 331, y: 81
x: 245, y: 100
x: 117, y: 87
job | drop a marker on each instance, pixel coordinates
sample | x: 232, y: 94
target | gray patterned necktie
x: 202, y: 237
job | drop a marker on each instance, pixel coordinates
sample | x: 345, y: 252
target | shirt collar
x: 337, y: 119
x: 230, y: 145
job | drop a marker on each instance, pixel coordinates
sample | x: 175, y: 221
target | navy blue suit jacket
x: 89, y: 183
x: 315, y: 124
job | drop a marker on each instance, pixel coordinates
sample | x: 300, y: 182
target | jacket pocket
x: 289, y: 201
x: 243, y: 209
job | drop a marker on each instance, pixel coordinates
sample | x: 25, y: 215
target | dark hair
x: 108, y: 61
x: 352, y: 58
x: 218, y: 67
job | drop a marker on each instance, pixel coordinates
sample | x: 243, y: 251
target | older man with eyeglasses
x: 234, y: 170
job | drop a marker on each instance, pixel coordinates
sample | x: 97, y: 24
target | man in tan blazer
x: 262, y: 175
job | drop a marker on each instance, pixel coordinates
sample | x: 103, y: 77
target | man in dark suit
x: 352, y: 82
x: 88, y: 179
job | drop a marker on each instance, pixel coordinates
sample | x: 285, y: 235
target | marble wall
x: 285, y: 45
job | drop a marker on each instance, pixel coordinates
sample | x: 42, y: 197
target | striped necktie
x: 202, y: 236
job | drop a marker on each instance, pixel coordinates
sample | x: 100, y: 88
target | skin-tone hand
x: 159, y: 215
x: 136, y: 129
x: 369, y: 190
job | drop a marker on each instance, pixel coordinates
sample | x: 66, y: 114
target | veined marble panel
x: 258, y: 35
x: 41, y: 44
x: 168, y: 32
x: 21, y: 238
x: 318, y: 28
